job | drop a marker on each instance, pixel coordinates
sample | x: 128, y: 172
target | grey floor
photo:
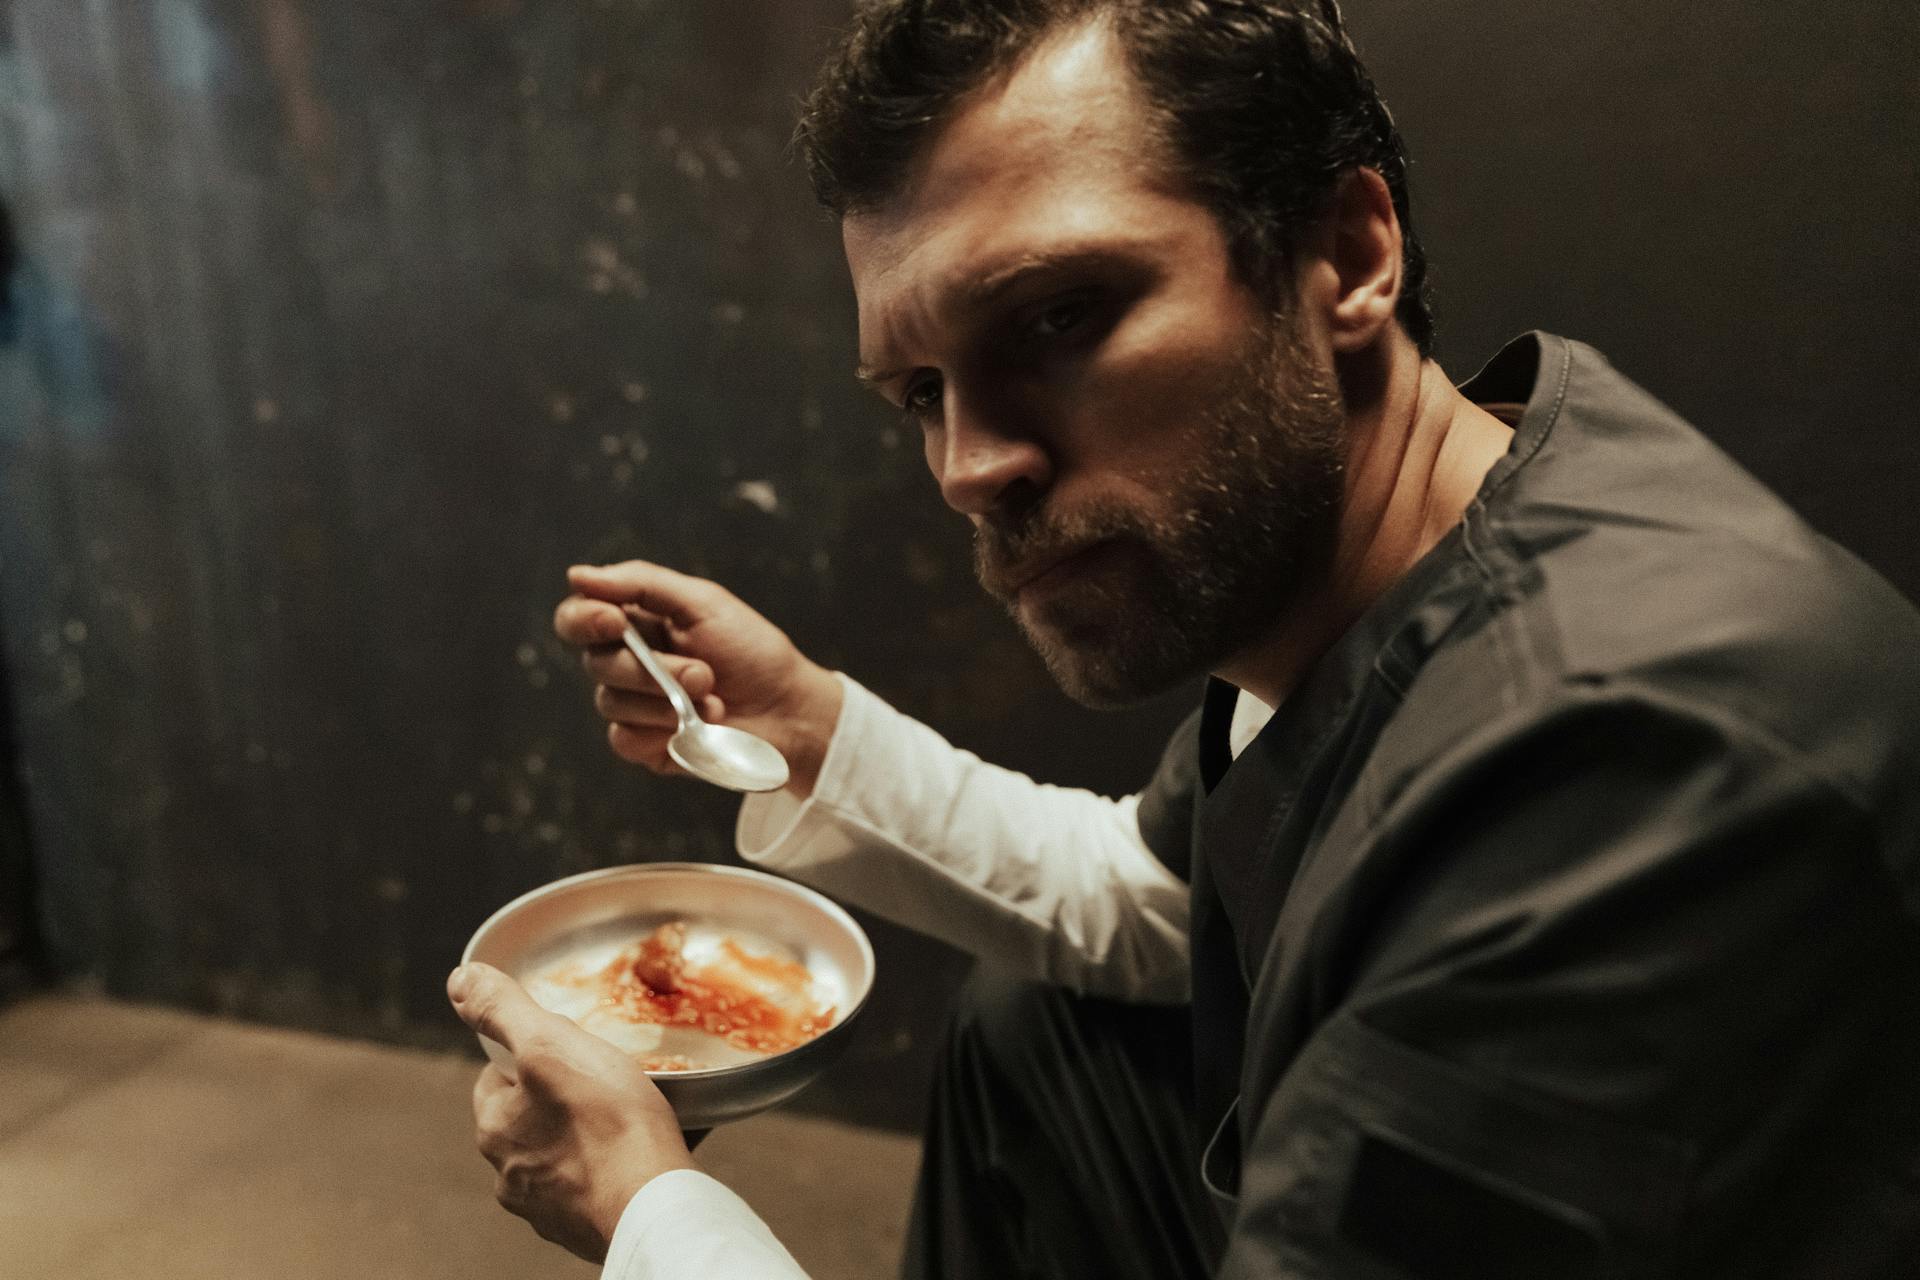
x: 150, y: 1143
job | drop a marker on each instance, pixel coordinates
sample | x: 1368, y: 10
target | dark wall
x: 341, y: 328
x: 1723, y: 197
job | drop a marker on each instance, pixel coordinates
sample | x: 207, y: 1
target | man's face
x: 1150, y: 458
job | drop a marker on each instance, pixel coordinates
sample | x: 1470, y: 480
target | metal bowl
x: 585, y: 913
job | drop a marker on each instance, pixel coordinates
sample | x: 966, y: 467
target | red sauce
x: 651, y: 981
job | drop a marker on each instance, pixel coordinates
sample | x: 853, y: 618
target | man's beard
x: 1248, y: 528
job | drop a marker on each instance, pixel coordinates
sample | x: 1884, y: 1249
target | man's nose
x: 984, y: 459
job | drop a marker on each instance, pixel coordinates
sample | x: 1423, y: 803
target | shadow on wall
x: 9, y: 259
x: 19, y: 954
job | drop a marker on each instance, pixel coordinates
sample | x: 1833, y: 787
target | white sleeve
x: 1049, y: 882
x: 685, y: 1226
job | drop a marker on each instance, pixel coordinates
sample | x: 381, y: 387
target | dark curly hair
x: 1263, y: 104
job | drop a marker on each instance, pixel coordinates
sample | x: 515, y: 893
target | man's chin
x: 1100, y: 670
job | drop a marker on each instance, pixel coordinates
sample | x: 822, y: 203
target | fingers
x: 681, y: 599
x: 582, y: 621
x: 625, y: 694
x: 619, y: 669
x: 639, y: 724
x: 645, y: 711
x: 660, y: 600
x: 635, y: 710
x: 499, y: 1008
x: 489, y: 1086
x: 644, y: 747
x: 497, y: 1106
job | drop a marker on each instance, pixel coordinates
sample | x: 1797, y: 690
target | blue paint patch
x: 192, y: 56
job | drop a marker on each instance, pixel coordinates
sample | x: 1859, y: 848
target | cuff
x: 771, y: 824
x: 685, y: 1224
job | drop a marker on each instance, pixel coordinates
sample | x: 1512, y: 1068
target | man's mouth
x: 1042, y: 572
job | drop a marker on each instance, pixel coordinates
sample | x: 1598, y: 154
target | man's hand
x: 737, y: 666
x: 579, y: 1132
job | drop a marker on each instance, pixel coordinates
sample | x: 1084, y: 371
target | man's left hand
x: 578, y: 1132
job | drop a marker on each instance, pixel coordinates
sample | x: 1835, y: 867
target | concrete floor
x: 151, y: 1143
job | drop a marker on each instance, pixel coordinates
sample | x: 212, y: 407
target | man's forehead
x: 1070, y: 108
x: 1045, y: 155
x: 1076, y: 80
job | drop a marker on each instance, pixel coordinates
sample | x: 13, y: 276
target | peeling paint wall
x: 342, y: 328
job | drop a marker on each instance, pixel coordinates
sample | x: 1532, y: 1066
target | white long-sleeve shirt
x: 1049, y: 882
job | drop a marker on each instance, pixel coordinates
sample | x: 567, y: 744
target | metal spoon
x: 726, y: 757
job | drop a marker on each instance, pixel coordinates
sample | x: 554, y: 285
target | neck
x: 1417, y: 453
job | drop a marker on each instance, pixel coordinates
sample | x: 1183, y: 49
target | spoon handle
x: 682, y: 704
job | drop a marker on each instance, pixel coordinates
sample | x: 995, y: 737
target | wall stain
x: 287, y: 43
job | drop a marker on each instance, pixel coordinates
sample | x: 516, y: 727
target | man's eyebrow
x: 989, y: 287
x: 983, y: 291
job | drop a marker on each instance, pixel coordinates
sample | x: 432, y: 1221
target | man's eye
x: 922, y: 400
x: 1061, y: 318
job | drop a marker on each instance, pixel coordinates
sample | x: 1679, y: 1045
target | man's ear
x: 1352, y: 266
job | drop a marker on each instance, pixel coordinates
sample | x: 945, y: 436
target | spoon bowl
x: 730, y: 757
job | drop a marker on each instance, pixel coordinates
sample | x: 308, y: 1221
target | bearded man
x: 1536, y: 893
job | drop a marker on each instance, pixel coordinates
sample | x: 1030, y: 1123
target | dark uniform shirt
x: 1565, y: 921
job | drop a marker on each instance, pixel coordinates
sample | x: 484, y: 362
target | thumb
x: 499, y: 1008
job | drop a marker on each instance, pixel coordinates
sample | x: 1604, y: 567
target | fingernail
x: 458, y: 982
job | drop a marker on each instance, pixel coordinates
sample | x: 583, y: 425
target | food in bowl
x: 580, y: 924
x: 688, y: 1001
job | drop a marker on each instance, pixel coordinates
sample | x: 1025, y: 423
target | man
x: 1564, y: 918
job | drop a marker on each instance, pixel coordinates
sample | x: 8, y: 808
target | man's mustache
x: 1008, y: 551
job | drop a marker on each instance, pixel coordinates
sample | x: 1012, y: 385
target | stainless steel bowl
x: 584, y: 913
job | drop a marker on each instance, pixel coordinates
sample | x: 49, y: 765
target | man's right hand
x: 738, y: 667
